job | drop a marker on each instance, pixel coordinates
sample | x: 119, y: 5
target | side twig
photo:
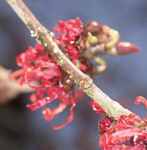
x: 10, y: 88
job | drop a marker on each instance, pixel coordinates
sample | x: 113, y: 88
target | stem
x: 41, y: 34
x: 9, y: 88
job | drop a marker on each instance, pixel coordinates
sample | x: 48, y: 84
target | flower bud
x: 124, y: 48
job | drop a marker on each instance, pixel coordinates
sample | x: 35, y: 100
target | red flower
x: 68, y: 33
x: 123, y: 134
x: 44, y: 76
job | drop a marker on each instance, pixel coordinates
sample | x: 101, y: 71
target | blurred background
x: 125, y: 78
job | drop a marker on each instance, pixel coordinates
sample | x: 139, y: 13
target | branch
x: 41, y: 34
x: 9, y: 88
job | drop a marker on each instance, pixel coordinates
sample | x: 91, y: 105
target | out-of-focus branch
x: 42, y: 35
x: 9, y: 88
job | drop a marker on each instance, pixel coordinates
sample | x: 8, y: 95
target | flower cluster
x: 69, y: 36
x: 68, y: 33
x: 128, y: 132
x: 124, y: 134
x: 47, y: 79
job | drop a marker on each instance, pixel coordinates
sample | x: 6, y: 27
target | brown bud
x: 68, y: 84
x: 94, y: 27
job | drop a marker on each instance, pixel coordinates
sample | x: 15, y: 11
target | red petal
x: 50, y: 114
x: 96, y: 107
x: 36, y: 105
x: 68, y: 119
x: 141, y: 100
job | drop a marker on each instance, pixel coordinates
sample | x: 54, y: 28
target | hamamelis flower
x: 68, y: 33
x: 123, y: 134
x: 45, y: 77
x: 128, y: 132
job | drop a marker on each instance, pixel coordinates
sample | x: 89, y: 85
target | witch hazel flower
x: 128, y: 132
x: 68, y: 32
x: 45, y: 77
x: 123, y: 134
x: 80, y: 40
x: 48, y: 81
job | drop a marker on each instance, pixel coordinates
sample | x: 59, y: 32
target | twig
x: 41, y: 34
x: 10, y: 88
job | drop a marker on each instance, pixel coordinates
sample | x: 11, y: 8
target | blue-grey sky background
x: 125, y: 78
